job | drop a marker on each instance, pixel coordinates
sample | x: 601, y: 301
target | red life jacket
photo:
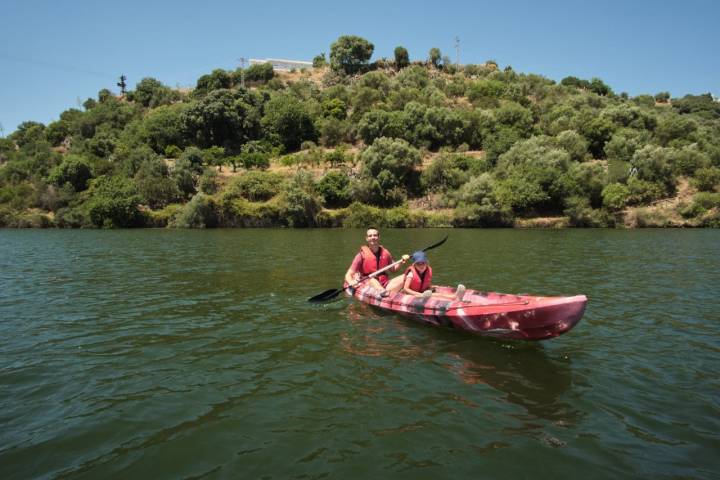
x: 372, y: 263
x: 420, y: 283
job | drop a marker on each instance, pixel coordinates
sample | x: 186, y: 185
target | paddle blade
x: 326, y: 295
x: 436, y: 244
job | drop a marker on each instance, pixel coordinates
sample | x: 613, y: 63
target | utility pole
x: 122, y: 84
x: 243, y: 60
x: 457, y: 52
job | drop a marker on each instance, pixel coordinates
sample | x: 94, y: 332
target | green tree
x: 445, y: 173
x: 350, y: 53
x: 74, y: 170
x: 402, y: 59
x: 599, y: 87
x: 529, y: 175
x: 214, y: 156
x: 260, y: 72
x: 222, y: 117
x: 218, y: 79
x: 114, y: 202
x: 334, y: 187
x: 573, y: 143
x: 150, y: 92
x: 27, y: 132
x: 155, y: 185
x: 389, y: 170
x: 165, y: 126
x: 319, y: 61
x: 434, y: 55
x: 288, y: 118
x: 615, y: 196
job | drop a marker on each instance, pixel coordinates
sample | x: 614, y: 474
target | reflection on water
x: 523, y: 373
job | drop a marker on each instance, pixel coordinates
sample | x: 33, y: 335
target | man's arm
x: 353, y: 273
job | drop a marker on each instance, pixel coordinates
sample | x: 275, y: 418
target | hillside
x: 390, y: 143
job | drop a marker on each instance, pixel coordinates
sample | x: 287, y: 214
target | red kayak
x: 520, y: 317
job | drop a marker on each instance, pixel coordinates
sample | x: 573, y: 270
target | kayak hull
x: 517, y: 317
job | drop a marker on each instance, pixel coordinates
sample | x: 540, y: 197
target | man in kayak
x: 417, y: 280
x: 371, y: 258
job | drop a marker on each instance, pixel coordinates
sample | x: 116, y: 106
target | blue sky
x: 55, y: 54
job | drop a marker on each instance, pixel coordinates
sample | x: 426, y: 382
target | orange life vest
x: 372, y: 263
x: 420, y: 282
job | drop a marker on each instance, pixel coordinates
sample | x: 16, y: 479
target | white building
x: 282, y: 65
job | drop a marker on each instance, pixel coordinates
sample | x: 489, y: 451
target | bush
x: 260, y: 72
x: 359, y: 215
x: 573, y: 143
x: 172, y: 151
x: 707, y: 200
x: 643, y: 192
x: 255, y: 186
x: 199, y: 212
x: 74, y: 170
x: 114, y: 203
x: 402, y: 59
x: 350, y: 53
x: 208, y: 182
x: 615, y: 196
x: 335, y: 189
x: 155, y: 185
x: 257, y: 160
x: 319, y: 61
x: 445, y: 173
x: 707, y: 179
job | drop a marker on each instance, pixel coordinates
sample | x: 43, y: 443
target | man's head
x: 372, y: 237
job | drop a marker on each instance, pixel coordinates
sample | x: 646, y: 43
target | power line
x: 54, y: 66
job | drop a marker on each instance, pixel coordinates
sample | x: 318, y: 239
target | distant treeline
x: 351, y: 143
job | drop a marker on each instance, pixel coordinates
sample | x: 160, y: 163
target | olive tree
x: 349, y: 53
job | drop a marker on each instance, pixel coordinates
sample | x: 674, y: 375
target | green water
x: 193, y: 354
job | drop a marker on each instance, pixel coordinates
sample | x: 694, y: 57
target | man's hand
x: 405, y: 258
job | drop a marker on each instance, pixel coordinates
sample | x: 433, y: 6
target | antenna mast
x: 457, y: 51
x: 122, y: 84
x: 243, y: 61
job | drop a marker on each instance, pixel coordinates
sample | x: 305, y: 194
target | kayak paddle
x: 334, y: 292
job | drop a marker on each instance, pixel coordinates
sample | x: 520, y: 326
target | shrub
x: 199, y: 212
x: 350, y: 53
x: 74, y: 170
x: 172, y: 151
x: 643, y: 192
x: 573, y: 143
x: 255, y: 185
x: 707, y: 200
x: 260, y: 72
x: 445, y: 173
x: 208, y: 182
x: 257, y: 160
x: 359, y: 215
x: 615, y: 196
x: 114, y: 203
x: 707, y: 179
x: 334, y: 188
x: 402, y: 58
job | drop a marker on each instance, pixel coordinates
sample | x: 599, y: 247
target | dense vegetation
x: 352, y: 143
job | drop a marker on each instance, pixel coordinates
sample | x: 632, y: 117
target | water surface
x: 193, y: 354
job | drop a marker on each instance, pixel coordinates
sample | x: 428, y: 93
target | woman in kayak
x: 418, y: 279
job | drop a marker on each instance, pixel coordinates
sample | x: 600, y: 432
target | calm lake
x: 172, y: 354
